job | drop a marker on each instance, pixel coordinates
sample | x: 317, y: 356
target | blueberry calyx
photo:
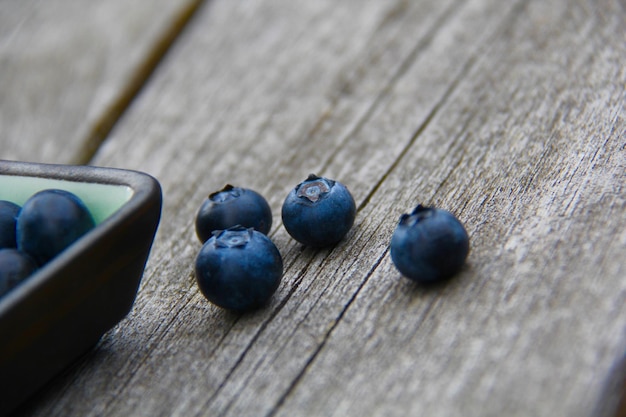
x: 314, y: 188
x: 228, y: 192
x: 418, y: 214
x: 233, y: 237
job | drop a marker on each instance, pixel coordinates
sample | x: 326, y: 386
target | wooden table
x: 511, y: 114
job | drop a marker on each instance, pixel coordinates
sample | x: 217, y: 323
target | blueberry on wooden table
x: 49, y: 222
x: 318, y: 212
x: 15, y: 267
x: 8, y: 218
x: 238, y: 269
x: 232, y: 206
x: 429, y: 245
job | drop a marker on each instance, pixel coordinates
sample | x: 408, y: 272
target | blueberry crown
x: 418, y: 214
x: 314, y: 188
x: 225, y: 193
x: 233, y: 237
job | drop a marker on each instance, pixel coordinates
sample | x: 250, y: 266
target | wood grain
x: 70, y: 68
x: 509, y: 114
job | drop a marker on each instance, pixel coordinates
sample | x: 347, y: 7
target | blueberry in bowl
x: 8, y: 220
x: 50, y: 221
x: 238, y: 269
x: 61, y: 309
x: 318, y: 212
x: 429, y: 245
x: 232, y: 206
x: 15, y: 267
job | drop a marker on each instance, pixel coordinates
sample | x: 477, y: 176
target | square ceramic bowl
x: 63, y: 309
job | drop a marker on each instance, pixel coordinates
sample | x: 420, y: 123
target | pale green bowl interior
x: 102, y: 200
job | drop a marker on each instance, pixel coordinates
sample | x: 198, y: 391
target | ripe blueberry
x: 429, y: 245
x: 232, y: 206
x: 15, y: 266
x: 8, y: 217
x: 239, y: 269
x: 49, y: 222
x: 318, y: 212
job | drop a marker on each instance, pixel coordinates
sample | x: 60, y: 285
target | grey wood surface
x: 69, y: 68
x: 509, y: 114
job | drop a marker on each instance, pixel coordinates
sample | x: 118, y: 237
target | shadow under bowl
x: 64, y: 308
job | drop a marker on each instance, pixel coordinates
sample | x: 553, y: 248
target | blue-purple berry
x: 49, y: 222
x: 429, y: 245
x: 239, y: 269
x: 318, y: 212
x: 8, y: 219
x: 232, y: 206
x: 15, y: 267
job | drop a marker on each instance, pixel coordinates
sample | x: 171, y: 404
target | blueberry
x: 15, y: 267
x: 318, y: 212
x: 239, y: 269
x: 429, y: 245
x: 49, y: 222
x: 232, y: 206
x: 8, y: 217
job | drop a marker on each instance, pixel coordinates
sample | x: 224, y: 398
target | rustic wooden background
x: 510, y: 114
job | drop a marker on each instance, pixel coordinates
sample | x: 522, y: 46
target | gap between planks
x: 101, y: 128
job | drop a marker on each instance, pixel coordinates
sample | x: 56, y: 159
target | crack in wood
x: 101, y: 127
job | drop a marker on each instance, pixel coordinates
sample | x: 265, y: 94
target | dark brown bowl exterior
x: 63, y: 309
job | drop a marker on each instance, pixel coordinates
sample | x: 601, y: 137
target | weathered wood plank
x: 509, y: 114
x: 70, y: 68
x: 533, y: 160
